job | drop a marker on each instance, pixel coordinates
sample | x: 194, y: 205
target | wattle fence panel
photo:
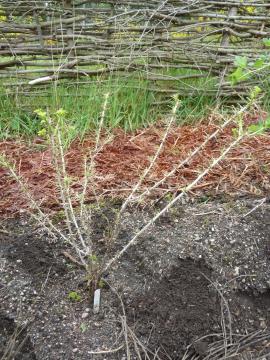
x: 179, y: 47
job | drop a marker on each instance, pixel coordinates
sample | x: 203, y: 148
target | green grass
x: 266, y: 99
x: 194, y: 109
x: 131, y: 105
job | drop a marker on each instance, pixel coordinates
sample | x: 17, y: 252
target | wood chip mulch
x: 245, y: 171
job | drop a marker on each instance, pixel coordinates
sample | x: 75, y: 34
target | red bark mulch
x: 245, y: 171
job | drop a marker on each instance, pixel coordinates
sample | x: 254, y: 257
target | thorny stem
x: 189, y: 187
x: 88, y: 170
x: 41, y: 217
x: 185, y: 161
x: 171, y: 203
x: 68, y: 198
x: 59, y: 177
x: 147, y: 170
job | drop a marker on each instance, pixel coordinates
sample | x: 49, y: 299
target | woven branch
x: 38, y: 40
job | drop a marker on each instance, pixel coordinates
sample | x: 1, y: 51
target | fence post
x: 39, y: 30
x: 225, y: 42
x: 68, y: 5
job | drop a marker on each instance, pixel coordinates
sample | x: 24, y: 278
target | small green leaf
x: 235, y: 76
x: 241, y: 62
x: 83, y: 327
x: 74, y: 296
x: 266, y: 42
x: 267, y: 123
x: 42, y: 114
x: 258, y: 64
x: 235, y: 132
x: 93, y: 258
x: 260, y: 127
x: 256, y: 128
x: 42, y: 133
x: 61, y: 112
x: 255, y: 92
x: 101, y: 284
x: 238, y: 75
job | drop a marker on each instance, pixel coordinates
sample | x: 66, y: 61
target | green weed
x: 74, y: 296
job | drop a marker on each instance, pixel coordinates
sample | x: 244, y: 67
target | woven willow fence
x: 178, y: 46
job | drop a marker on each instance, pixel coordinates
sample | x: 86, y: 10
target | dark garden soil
x: 197, y: 283
x: 177, y: 310
x: 14, y: 341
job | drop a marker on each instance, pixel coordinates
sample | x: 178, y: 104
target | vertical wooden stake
x: 224, y: 43
x: 68, y: 5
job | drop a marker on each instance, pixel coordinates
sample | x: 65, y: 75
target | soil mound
x: 35, y: 256
x: 178, y: 309
x: 14, y: 341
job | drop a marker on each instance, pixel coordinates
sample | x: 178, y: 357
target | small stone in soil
x: 85, y: 315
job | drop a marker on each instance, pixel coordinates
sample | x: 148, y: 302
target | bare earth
x: 202, y: 271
